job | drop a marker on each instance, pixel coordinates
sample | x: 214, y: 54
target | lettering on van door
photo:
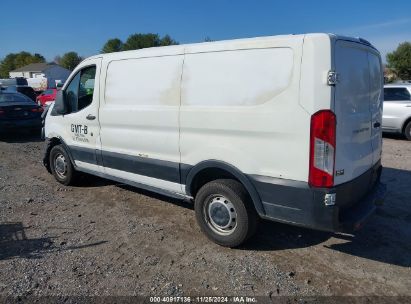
x: 79, y: 132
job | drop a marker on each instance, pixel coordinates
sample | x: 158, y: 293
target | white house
x: 51, y: 72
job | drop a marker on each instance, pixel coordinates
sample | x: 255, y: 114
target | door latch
x: 332, y: 78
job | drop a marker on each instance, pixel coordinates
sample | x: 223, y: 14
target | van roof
x: 232, y: 42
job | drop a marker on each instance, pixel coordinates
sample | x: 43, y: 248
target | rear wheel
x: 407, y: 131
x: 225, y: 212
x: 61, y: 166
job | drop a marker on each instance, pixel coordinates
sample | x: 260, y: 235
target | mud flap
x: 46, y: 155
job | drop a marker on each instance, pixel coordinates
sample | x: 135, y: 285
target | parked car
x: 18, y: 112
x: 38, y: 93
x: 246, y: 128
x: 397, y: 109
x: 13, y: 81
x: 47, y: 97
x: 23, y: 89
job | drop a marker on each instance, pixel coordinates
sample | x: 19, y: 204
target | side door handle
x: 91, y: 117
x: 377, y: 124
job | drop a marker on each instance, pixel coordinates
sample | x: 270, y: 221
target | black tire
x: 237, y: 198
x: 407, y: 131
x: 66, y: 176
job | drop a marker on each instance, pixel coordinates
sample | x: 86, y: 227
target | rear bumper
x: 353, y: 218
x: 24, y: 123
x: 297, y: 203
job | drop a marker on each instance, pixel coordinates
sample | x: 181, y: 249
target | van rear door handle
x: 377, y: 125
x: 91, y: 117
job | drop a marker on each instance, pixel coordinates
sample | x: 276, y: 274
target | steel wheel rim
x: 60, y: 166
x: 220, y: 215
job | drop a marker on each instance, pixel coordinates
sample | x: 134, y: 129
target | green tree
x: 400, y: 60
x: 17, y: 60
x: 141, y: 41
x: 70, y: 60
x: 167, y: 40
x: 39, y: 57
x: 112, y: 45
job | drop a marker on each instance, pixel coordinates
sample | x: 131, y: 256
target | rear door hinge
x: 332, y: 78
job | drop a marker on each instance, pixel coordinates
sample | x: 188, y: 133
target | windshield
x: 14, y: 97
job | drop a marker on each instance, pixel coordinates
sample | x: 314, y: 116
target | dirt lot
x: 103, y: 238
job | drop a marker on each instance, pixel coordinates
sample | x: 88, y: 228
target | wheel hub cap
x: 60, y: 166
x: 221, y: 215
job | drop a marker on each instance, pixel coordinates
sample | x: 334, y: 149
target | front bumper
x: 297, y: 203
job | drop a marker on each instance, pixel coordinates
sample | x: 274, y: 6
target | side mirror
x: 60, y: 104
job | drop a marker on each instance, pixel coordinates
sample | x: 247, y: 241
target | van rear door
x: 376, y: 102
x: 357, y: 105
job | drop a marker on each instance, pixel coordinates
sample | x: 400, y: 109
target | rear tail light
x: 37, y: 110
x: 2, y: 111
x: 322, y: 149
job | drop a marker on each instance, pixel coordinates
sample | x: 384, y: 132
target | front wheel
x: 407, y: 131
x: 225, y: 212
x: 61, y: 166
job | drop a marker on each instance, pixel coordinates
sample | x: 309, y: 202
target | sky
x: 55, y: 27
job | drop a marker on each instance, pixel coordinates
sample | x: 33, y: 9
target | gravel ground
x: 105, y: 238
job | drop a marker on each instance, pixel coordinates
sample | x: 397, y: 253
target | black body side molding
x: 188, y: 174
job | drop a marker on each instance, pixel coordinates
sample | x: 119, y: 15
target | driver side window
x: 79, y: 93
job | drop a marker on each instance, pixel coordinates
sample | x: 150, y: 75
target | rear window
x: 396, y: 94
x: 14, y: 97
x: 26, y: 90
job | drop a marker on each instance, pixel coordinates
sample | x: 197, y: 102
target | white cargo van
x: 284, y: 128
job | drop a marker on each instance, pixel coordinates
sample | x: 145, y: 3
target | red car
x: 47, y: 97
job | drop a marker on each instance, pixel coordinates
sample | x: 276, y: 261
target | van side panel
x: 139, y: 120
x: 236, y: 78
x: 242, y: 107
x: 316, y: 62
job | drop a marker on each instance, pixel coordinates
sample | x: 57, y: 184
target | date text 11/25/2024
x: 206, y: 299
